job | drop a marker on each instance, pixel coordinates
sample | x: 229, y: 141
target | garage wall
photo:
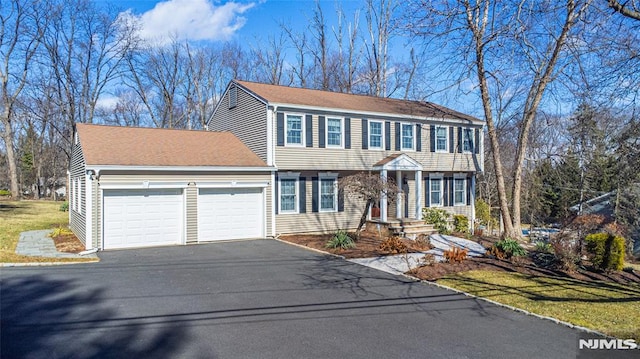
x: 77, y: 219
x: 193, y: 180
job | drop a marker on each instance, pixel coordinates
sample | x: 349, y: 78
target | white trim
x: 295, y: 176
x: 270, y: 126
x: 302, y: 129
x: 328, y: 176
x: 460, y: 176
x: 273, y: 204
x: 326, y: 131
x: 100, y: 168
x: 413, y: 136
x: 143, y: 185
x: 382, y: 135
x: 232, y: 184
x: 367, y: 114
x: 401, y: 163
x: 471, y: 139
x: 446, y: 136
x: 88, y: 233
x: 440, y: 178
x: 79, y: 201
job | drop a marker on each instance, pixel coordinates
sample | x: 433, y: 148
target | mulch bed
x: 368, y: 246
x: 68, y: 243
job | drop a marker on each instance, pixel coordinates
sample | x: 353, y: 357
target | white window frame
x: 326, y: 132
x: 296, y: 202
x: 302, y: 130
x: 382, y: 130
x: 446, y: 139
x: 440, y: 178
x: 460, y: 177
x: 325, y: 177
x: 469, y: 131
x: 413, y: 136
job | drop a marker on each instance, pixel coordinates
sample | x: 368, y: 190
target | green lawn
x: 21, y: 216
x: 608, y: 308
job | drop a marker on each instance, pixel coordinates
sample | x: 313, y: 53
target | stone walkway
x: 402, y: 263
x: 39, y: 244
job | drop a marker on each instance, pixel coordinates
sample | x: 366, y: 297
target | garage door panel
x: 230, y: 213
x: 140, y: 218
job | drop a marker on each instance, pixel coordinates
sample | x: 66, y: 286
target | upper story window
x: 467, y: 140
x: 328, y: 193
x: 233, y: 96
x: 435, y: 191
x: 288, y: 194
x: 441, y: 139
x: 408, y: 138
x: 295, y: 130
x: 334, y: 132
x: 376, y: 135
x: 459, y: 191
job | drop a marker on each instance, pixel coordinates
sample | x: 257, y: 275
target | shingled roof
x: 138, y: 146
x: 357, y: 103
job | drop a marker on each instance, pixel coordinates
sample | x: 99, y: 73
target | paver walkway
x: 39, y: 244
x: 402, y: 263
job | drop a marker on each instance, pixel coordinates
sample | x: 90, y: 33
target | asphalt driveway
x: 253, y: 299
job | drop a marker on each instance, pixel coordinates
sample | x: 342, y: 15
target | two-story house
x: 269, y: 164
x: 313, y: 138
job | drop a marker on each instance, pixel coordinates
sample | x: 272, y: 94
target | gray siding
x: 318, y: 222
x: 356, y: 158
x: 247, y: 120
x: 192, y: 213
x: 77, y: 218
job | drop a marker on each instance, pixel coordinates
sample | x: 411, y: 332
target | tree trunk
x: 7, y: 136
x: 363, y: 219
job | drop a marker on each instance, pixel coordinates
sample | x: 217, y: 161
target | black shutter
x: 321, y: 131
x: 280, y: 128
x: 468, y: 191
x: 451, y: 142
x: 427, y: 192
x: 302, y: 195
x: 365, y: 134
x: 347, y: 133
x: 314, y: 194
x: 277, y: 187
x: 418, y: 137
x: 445, y: 191
x: 451, y: 193
x: 459, y: 139
x: 432, y: 138
x: 476, y: 143
x: 340, y: 200
x: 309, y: 130
x: 387, y: 135
x: 397, y: 136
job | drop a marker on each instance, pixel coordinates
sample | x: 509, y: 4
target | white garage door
x: 142, y: 218
x: 230, y: 213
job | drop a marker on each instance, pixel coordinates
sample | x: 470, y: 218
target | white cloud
x: 193, y: 20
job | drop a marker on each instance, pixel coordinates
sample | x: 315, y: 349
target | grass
x: 21, y: 216
x: 609, y: 308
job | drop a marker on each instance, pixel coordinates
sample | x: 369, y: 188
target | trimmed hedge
x: 606, y: 251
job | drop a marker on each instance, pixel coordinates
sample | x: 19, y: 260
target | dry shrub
x: 455, y: 255
x: 393, y: 245
x: 564, y: 251
x: 496, y: 252
x: 428, y: 260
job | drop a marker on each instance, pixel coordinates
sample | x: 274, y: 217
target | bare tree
x: 380, y: 26
x: 530, y: 37
x: 21, y: 25
x: 368, y: 187
x: 630, y: 8
x: 269, y: 65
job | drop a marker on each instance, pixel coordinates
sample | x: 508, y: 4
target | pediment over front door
x: 398, y: 162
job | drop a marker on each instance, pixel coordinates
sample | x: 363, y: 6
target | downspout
x: 271, y: 157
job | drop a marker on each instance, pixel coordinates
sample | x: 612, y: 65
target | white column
x: 418, y: 179
x: 383, y: 198
x: 88, y: 197
x: 399, y: 203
